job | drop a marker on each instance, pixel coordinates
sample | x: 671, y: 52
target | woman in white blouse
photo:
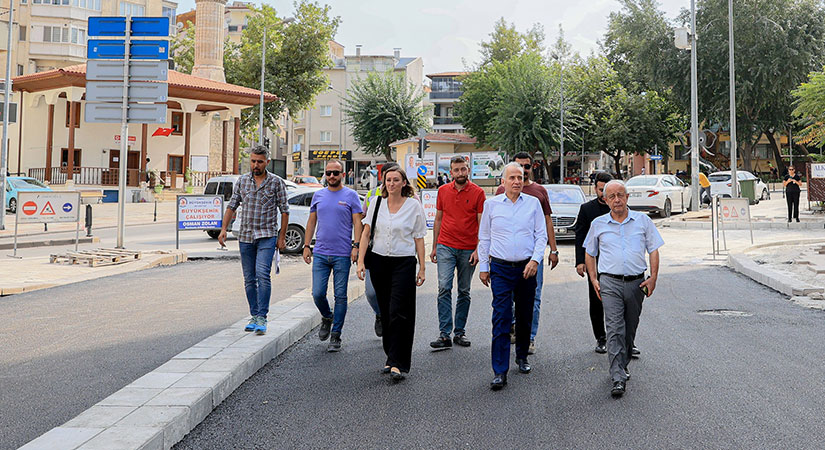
x: 398, y: 239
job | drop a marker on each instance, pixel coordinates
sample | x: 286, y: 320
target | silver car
x: 565, y: 200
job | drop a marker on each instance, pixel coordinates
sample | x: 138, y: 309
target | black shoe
x: 797, y: 220
x: 385, y: 370
x: 513, y: 334
x: 618, y: 389
x: 442, y: 343
x: 601, y: 347
x: 326, y: 325
x: 334, y: 342
x: 634, y: 353
x: 396, y: 376
x: 789, y: 220
x: 459, y: 339
x: 499, y: 381
x: 523, y: 365
x: 379, y: 329
x: 627, y: 373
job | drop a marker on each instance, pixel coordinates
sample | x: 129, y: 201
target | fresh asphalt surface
x: 703, y: 381
x: 64, y: 349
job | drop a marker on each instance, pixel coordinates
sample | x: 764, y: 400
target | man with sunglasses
x: 335, y: 211
x: 536, y: 190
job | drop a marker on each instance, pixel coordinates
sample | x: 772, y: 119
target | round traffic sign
x: 67, y: 207
x: 29, y: 208
x: 422, y: 170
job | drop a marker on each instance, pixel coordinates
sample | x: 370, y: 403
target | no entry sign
x: 48, y: 207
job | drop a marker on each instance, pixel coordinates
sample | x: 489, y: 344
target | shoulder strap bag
x: 369, y: 256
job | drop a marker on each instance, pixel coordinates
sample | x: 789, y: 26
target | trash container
x: 746, y: 190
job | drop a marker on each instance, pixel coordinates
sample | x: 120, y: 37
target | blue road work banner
x: 200, y: 212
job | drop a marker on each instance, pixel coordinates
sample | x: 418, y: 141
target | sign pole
x: 124, y: 137
x: 177, y: 222
x: 16, y: 220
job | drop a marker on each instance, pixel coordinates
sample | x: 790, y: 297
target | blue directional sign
x: 655, y: 157
x: 141, y: 26
x: 114, y: 49
x: 422, y: 170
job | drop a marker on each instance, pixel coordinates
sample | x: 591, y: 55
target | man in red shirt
x: 455, y: 237
x: 538, y: 191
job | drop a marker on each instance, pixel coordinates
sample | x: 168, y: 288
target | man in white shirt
x: 512, y: 236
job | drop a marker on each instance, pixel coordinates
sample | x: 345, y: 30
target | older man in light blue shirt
x: 512, y: 236
x: 620, y: 239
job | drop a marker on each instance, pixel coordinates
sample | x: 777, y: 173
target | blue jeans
x: 508, y: 285
x: 450, y: 261
x: 537, y: 303
x: 256, y: 262
x: 321, y: 267
x: 369, y: 292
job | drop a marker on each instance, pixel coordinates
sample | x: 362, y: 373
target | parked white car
x: 299, y: 200
x: 657, y: 193
x: 720, y: 184
x: 224, y: 185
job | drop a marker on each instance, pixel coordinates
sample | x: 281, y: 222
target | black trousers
x: 394, y: 281
x: 596, y: 313
x: 792, y: 197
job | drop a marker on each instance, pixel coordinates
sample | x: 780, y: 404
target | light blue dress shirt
x: 511, y: 231
x: 621, y: 247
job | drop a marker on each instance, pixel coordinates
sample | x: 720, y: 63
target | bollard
x: 156, y: 211
x: 88, y: 220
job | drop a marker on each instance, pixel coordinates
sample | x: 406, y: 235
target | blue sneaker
x: 260, y: 327
x: 253, y: 323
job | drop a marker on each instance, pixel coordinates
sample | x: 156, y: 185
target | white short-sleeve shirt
x: 395, y: 234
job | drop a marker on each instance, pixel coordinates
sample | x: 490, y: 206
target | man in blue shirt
x: 512, y: 236
x: 335, y: 210
x: 620, y: 240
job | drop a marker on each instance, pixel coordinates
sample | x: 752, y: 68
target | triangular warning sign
x: 47, y: 210
x: 733, y: 213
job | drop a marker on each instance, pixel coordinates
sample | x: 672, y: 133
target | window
x: 174, y: 164
x: 76, y: 115
x: 233, y: 28
x: 177, y: 123
x: 326, y: 136
x: 23, y: 2
x: 326, y: 110
x: 21, y: 33
x: 64, y: 157
x: 127, y: 8
x: 19, y: 70
x: 55, y: 34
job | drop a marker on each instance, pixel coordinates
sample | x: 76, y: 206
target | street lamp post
x: 734, y: 161
x: 4, y: 147
x: 694, y: 114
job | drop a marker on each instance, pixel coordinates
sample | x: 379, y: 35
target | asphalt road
x: 64, y: 349
x: 704, y: 381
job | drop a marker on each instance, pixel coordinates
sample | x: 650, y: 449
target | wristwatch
x: 554, y: 252
x: 356, y: 244
x: 307, y: 246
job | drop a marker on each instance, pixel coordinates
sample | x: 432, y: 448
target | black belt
x: 504, y: 262
x: 624, y: 277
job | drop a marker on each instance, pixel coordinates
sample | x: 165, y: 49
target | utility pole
x: 4, y: 149
x: 561, y: 119
x: 261, y: 106
x: 694, y: 114
x: 734, y: 160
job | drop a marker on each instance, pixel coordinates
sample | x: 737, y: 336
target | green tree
x: 778, y: 42
x: 506, y: 42
x: 382, y: 109
x: 810, y: 110
x: 183, y: 49
x: 475, y: 109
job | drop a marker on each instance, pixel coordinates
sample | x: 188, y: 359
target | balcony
x: 445, y: 95
x: 63, y: 12
x: 445, y: 121
x: 61, y: 50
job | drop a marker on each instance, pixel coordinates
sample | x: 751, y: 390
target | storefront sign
x: 343, y: 155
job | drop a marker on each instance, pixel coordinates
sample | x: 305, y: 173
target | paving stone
x: 198, y: 400
x: 100, y: 416
x: 62, y: 438
x: 218, y: 341
x: 179, y: 365
x: 127, y: 438
x: 156, y: 380
x: 197, y: 353
x: 221, y: 364
x: 174, y: 420
x: 130, y: 396
x: 217, y: 381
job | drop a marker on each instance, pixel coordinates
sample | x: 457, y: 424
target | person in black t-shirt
x: 792, y: 183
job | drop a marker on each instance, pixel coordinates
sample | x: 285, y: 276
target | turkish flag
x: 163, y: 131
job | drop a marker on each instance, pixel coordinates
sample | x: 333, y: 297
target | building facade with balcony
x: 51, y: 34
x: 323, y: 127
x: 445, y: 90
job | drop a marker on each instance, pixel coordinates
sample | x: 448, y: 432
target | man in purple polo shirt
x: 335, y: 210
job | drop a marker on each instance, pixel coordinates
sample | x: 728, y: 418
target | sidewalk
x: 767, y: 214
x: 104, y: 215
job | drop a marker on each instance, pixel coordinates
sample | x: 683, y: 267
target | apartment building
x: 51, y: 34
x: 314, y: 132
x: 445, y: 89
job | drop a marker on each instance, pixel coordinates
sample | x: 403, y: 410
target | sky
x: 447, y: 33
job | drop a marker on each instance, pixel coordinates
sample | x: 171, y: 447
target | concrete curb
x: 769, y: 277
x: 49, y: 243
x: 165, y: 259
x: 744, y: 226
x: 158, y: 409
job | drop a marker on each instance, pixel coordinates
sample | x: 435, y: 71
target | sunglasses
x: 527, y: 166
x: 333, y: 173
